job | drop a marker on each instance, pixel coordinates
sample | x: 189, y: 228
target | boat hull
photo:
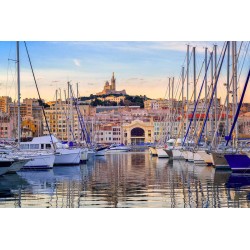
x: 161, y: 153
x: 84, y: 155
x: 101, y: 152
x: 152, y: 151
x: 5, y: 165
x: 17, y: 166
x: 40, y: 162
x: 238, y: 162
x: 169, y: 153
x: 68, y: 156
x: 177, y: 154
x: 206, y: 157
x: 219, y: 161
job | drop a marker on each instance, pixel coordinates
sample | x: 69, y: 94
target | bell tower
x: 113, y: 82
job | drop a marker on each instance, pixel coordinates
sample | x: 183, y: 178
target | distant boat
x: 118, y: 148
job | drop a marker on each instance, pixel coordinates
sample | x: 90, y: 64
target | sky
x: 141, y: 68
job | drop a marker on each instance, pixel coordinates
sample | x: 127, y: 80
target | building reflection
x: 126, y: 180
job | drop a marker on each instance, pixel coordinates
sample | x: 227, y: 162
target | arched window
x: 137, y: 132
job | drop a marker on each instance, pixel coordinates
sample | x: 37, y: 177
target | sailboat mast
x: 236, y: 91
x: 172, y: 107
x: 234, y: 71
x: 228, y: 90
x: 56, y: 122
x: 215, y: 95
x: 205, y: 90
x: 182, y: 96
x: 18, y: 96
x: 78, y: 124
x: 194, y: 61
x: 169, y: 105
x: 187, y: 102
x: 212, y: 86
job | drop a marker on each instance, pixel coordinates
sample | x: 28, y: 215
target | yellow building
x: 138, y: 132
x: 4, y: 103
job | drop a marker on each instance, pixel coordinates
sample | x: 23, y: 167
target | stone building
x: 111, y: 88
x: 138, y: 132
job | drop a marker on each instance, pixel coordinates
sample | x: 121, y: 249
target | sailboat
x: 238, y: 162
x: 34, y: 159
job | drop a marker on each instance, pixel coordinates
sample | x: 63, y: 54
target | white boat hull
x: 190, y: 156
x: 17, y: 166
x: 198, y: 159
x: 40, y: 161
x: 84, y: 155
x: 161, y: 153
x: 101, y: 152
x: 177, y: 154
x: 68, y: 156
x: 207, y: 158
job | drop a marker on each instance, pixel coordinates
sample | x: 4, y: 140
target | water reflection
x: 126, y: 180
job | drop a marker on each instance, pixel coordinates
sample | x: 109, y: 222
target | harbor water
x: 126, y: 180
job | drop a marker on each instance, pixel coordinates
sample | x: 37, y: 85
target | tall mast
x: 205, y: 90
x: 67, y: 113
x: 194, y: 61
x: 18, y: 96
x: 172, y: 105
x: 234, y: 68
x: 78, y: 124
x: 56, y: 121
x: 187, y: 102
x: 169, y: 105
x: 71, y: 114
x: 212, y: 86
x: 228, y: 90
x: 182, y: 96
x: 215, y: 95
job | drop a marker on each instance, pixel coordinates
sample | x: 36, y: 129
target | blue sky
x: 140, y: 67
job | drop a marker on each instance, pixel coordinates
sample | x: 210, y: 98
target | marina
x: 189, y: 149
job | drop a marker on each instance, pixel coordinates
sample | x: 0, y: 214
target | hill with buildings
x: 114, y: 100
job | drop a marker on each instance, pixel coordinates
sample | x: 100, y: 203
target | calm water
x: 126, y: 180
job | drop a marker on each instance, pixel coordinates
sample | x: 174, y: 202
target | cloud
x: 77, y: 62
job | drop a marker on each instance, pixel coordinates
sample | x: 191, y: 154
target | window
x: 24, y: 146
x: 34, y: 146
x: 48, y: 146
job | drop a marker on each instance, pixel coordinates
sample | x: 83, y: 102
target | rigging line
x: 214, y: 88
x: 238, y: 108
x: 7, y: 76
x: 229, y: 88
x: 239, y: 75
x: 197, y: 101
x: 39, y: 94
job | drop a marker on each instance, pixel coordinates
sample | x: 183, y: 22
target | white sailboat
x: 36, y: 160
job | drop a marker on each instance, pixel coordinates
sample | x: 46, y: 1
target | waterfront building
x: 63, y: 120
x: 7, y: 126
x: 108, y: 134
x: 138, y: 132
x: 4, y: 103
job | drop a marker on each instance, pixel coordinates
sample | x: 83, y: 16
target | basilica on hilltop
x: 111, y: 88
